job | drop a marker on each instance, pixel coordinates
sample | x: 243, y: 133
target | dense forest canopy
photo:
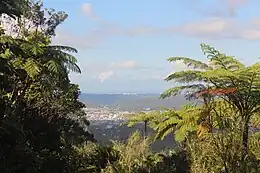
x: 43, y: 126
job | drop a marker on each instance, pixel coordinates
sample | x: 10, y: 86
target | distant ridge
x: 131, y: 100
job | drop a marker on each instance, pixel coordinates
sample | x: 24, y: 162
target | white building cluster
x: 104, y: 114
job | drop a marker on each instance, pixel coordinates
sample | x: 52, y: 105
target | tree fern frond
x: 64, y: 56
x: 179, y: 89
x: 219, y: 59
x: 32, y: 67
x: 17, y: 62
x: 162, y: 133
x: 190, y: 62
x: 209, y: 51
x: 53, y: 66
x: 186, y: 76
x: 255, y: 121
x: 6, y: 54
x: 73, y: 67
x: 63, y: 48
x: 133, y: 119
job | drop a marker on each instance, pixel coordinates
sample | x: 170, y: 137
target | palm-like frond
x: 67, y: 60
x: 220, y: 70
x: 255, y: 121
x: 186, y: 76
x: 53, y: 66
x: 63, y: 56
x: 190, y: 62
x: 32, y: 67
x: 220, y: 60
x: 179, y: 89
x: 133, y: 119
x: 63, y: 48
x: 73, y: 67
x: 6, y: 54
x: 180, y: 122
x: 166, y: 122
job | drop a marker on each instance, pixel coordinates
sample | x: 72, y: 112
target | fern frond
x: 6, y: 54
x: 133, y: 119
x: 179, y: 89
x: 63, y: 56
x: 220, y: 60
x: 53, y: 66
x: 63, y: 48
x: 73, y: 67
x: 190, y: 62
x: 163, y: 132
x: 186, y: 76
x: 32, y: 67
x: 17, y: 62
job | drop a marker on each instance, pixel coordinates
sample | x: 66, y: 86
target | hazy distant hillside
x: 135, y: 101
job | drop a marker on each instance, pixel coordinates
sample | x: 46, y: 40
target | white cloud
x: 105, y: 75
x: 209, y: 26
x: 88, y: 11
x: 221, y: 27
x: 251, y: 34
x: 130, y: 64
x: 101, y: 72
x: 113, y: 68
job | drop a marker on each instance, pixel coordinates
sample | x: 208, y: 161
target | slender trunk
x: 145, y: 128
x: 245, y: 142
x: 245, y: 139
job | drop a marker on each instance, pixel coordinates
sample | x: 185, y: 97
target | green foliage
x: 12, y: 8
x: 43, y: 128
x: 133, y: 119
x: 229, y: 92
x: 136, y: 156
x: 94, y: 157
x: 190, y: 62
x: 181, y: 123
x: 41, y: 118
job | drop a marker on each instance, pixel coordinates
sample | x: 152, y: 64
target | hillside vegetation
x: 43, y: 127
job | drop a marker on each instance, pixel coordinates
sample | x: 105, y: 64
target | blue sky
x: 124, y: 45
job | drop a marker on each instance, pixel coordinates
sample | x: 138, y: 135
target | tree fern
x: 220, y: 60
x: 190, y: 62
x: 180, y: 122
x: 67, y: 60
x: 63, y: 48
x: 185, y: 76
x: 182, y: 89
x: 32, y: 67
x: 223, y: 73
x: 145, y: 117
x: 53, y: 66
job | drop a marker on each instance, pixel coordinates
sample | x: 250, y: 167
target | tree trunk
x: 245, y: 141
x: 145, y: 128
